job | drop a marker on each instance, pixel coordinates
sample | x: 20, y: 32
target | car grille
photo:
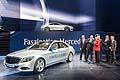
x: 12, y: 60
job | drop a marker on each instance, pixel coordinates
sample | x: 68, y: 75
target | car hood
x: 69, y: 26
x: 26, y: 53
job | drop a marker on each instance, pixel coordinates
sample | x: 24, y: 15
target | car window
x: 54, y: 46
x: 62, y: 45
x: 41, y: 46
x: 51, y: 24
x: 55, y: 24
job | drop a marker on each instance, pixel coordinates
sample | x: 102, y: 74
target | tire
x: 70, y: 57
x: 47, y: 29
x: 67, y: 29
x: 39, y: 65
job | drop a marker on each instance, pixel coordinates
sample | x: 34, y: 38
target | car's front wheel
x: 47, y: 29
x: 70, y: 57
x: 39, y: 65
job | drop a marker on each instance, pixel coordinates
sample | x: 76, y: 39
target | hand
x: 80, y: 48
x: 105, y: 43
x: 110, y: 48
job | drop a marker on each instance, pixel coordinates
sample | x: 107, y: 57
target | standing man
x: 83, y: 42
x: 106, y: 48
x: 90, y: 47
x: 113, y: 49
x: 97, y: 46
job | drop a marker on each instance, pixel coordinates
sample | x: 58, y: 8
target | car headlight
x: 26, y: 59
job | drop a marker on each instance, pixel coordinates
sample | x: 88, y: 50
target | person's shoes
x: 86, y: 60
x: 90, y: 62
x: 97, y: 62
x: 106, y: 61
x: 114, y: 62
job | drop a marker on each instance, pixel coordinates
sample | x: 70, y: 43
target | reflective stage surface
x: 76, y: 70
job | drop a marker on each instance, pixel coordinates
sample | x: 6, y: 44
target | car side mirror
x: 27, y: 47
x: 52, y: 49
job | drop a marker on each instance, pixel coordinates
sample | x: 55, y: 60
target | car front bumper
x: 24, y: 67
x: 42, y: 29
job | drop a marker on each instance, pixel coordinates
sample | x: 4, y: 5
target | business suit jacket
x: 83, y: 45
x: 106, y: 45
x: 90, y: 44
x: 113, y: 45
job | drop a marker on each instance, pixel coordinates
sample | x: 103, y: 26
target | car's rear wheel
x: 70, y: 57
x: 47, y: 29
x: 67, y: 29
x: 39, y: 65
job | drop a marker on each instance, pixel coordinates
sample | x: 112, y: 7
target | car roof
x: 51, y: 42
x: 54, y: 23
x: 60, y: 41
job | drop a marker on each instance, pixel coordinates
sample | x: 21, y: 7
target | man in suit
x: 106, y: 44
x: 113, y: 49
x: 83, y: 42
x: 90, y: 47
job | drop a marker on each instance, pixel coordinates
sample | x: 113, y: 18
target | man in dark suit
x: 83, y: 43
x: 106, y: 44
x: 90, y: 47
x: 113, y: 49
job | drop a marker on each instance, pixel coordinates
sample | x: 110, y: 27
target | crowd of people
x: 93, y: 48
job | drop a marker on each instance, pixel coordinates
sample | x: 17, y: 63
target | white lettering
x: 71, y: 42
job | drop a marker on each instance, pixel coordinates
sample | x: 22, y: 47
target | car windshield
x: 41, y: 46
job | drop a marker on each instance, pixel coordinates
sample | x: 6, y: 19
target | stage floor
x: 76, y: 70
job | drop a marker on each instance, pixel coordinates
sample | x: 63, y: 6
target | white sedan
x: 40, y: 55
x: 56, y: 26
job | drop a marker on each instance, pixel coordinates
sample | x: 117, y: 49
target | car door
x: 53, y: 53
x: 60, y: 27
x: 64, y: 50
x: 53, y: 26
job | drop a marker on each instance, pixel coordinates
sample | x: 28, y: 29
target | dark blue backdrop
x: 17, y: 39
